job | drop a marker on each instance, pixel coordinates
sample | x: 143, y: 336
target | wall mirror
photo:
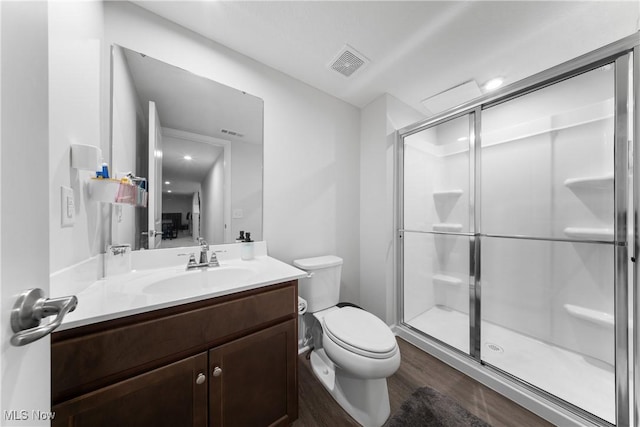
x: 199, y: 145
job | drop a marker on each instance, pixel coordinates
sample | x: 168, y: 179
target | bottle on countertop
x: 240, y: 238
x: 247, y: 251
x: 105, y: 170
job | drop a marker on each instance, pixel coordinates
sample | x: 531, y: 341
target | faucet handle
x: 192, y: 259
x: 214, y: 262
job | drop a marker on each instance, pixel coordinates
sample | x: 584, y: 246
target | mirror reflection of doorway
x: 194, y: 188
x: 180, y: 219
x: 194, y: 112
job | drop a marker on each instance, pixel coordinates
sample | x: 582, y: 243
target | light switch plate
x: 238, y: 213
x: 67, y: 207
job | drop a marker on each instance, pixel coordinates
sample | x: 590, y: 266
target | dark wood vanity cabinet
x: 254, y: 381
x: 226, y: 361
x: 168, y: 396
x: 251, y: 385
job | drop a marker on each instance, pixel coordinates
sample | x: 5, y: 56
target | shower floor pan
x: 563, y: 373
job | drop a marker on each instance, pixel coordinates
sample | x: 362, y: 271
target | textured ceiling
x: 417, y: 48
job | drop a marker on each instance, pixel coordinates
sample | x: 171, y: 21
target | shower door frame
x: 620, y: 54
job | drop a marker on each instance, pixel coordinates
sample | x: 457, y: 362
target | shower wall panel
x: 584, y: 151
x: 436, y: 292
x: 546, y: 334
x: 436, y: 232
x: 436, y: 171
x: 547, y: 232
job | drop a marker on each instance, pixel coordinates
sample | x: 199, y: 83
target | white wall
x: 311, y: 143
x: 379, y: 121
x: 76, y: 115
x: 196, y: 227
x: 129, y: 122
x: 212, y: 208
x: 246, y: 170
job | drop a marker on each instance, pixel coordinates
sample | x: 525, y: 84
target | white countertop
x: 150, y: 289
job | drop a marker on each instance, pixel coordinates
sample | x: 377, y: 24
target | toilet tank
x: 322, y: 289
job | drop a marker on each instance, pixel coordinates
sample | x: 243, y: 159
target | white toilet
x: 354, y: 351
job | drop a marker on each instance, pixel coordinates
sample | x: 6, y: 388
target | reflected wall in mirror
x: 199, y: 145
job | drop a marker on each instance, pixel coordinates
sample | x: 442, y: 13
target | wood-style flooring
x: 417, y: 369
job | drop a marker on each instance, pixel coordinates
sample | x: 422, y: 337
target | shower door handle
x: 30, y: 308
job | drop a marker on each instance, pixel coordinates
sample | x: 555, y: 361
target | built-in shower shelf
x: 604, y: 182
x: 447, y: 194
x: 594, y: 316
x: 441, y: 279
x: 589, y: 233
x: 447, y: 227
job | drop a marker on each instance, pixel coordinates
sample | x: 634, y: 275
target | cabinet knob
x: 201, y: 378
x: 217, y: 371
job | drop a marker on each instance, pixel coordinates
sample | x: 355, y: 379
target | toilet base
x: 366, y: 400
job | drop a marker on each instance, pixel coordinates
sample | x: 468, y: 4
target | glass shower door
x: 436, y: 231
x: 548, y: 240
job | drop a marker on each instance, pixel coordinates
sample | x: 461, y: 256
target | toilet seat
x: 360, y: 332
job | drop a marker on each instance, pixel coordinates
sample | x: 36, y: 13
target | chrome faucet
x: 204, y: 248
x: 203, y: 263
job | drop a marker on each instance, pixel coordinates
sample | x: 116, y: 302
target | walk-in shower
x: 516, y: 236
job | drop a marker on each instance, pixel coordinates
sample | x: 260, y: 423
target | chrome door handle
x: 152, y: 233
x: 30, y: 308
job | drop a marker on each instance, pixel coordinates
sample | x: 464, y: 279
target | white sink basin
x: 159, y: 282
x: 200, y: 281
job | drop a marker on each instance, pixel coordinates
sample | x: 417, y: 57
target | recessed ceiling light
x: 494, y: 83
x: 167, y: 182
x: 169, y: 191
x: 187, y: 157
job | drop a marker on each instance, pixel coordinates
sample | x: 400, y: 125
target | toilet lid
x: 360, y: 332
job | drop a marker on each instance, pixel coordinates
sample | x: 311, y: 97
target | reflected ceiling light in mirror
x: 167, y: 182
x: 493, y: 84
x: 187, y: 157
x: 168, y: 191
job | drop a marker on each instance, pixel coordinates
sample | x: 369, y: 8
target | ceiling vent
x: 348, y: 61
x: 231, y: 132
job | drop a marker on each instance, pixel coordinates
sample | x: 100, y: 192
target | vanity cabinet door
x: 253, y: 380
x: 173, y: 395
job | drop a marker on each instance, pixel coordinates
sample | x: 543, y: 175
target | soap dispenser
x: 240, y: 238
x: 247, y: 251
